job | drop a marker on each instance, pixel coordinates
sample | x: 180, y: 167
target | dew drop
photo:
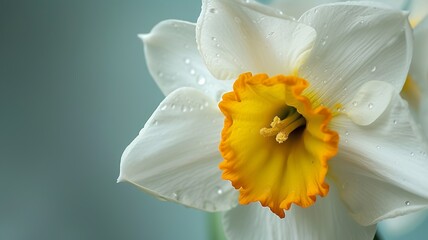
x: 347, y: 133
x: 201, y: 107
x: 407, y: 203
x: 190, y: 109
x: 269, y: 34
x: 183, y: 108
x: 187, y: 61
x: 373, y: 69
x: 206, y: 104
x: 395, y: 122
x: 280, y: 12
x: 354, y: 103
x: 175, y: 196
x: 164, y: 107
x: 173, y: 106
x: 324, y: 81
x: 323, y: 42
x: 214, y: 38
x: 155, y: 123
x: 192, y: 71
x: 217, y: 45
x: 361, y: 22
x: 201, y: 80
x: 370, y: 105
x: 217, y: 55
x: 378, y: 147
x: 160, y: 74
x: 213, y: 10
x: 412, y: 154
x: 219, y: 191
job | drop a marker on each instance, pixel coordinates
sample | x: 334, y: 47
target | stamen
x: 283, y: 128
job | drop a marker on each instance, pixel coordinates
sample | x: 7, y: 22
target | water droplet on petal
x: 378, y: 147
x: 407, y: 203
x: 370, y: 105
x: 323, y: 42
x: 175, y: 196
x: 347, y: 133
x: 186, y: 61
x: 201, y: 80
x: 206, y: 104
x: 192, y: 71
x: 354, y: 103
x: 183, y: 108
x: 164, y: 107
x: 219, y: 191
x: 280, y: 12
x: 173, y: 106
x: 155, y: 123
x: 373, y: 69
x: 214, y: 38
x: 160, y: 74
x: 213, y: 10
x: 395, y: 122
x: 412, y: 154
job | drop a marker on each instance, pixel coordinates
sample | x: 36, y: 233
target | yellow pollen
x: 283, y: 128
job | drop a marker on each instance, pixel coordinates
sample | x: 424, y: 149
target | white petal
x: 370, y: 102
x: 235, y: 37
x: 423, y: 115
x: 327, y: 219
x: 383, y: 166
x: 356, y: 44
x: 419, y: 67
x: 174, y: 60
x: 176, y: 157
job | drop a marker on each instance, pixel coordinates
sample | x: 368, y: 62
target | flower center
x: 282, y: 164
x: 283, y: 128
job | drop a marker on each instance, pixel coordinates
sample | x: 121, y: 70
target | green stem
x: 215, y: 227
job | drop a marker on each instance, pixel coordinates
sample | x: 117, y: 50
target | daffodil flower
x: 313, y: 129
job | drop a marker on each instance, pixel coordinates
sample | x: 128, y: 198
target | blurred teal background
x: 75, y: 91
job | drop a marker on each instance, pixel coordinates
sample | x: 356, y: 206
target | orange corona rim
x: 275, y: 144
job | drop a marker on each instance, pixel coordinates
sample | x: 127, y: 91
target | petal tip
x: 143, y: 36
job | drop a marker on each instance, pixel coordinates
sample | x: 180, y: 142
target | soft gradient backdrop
x: 75, y: 91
